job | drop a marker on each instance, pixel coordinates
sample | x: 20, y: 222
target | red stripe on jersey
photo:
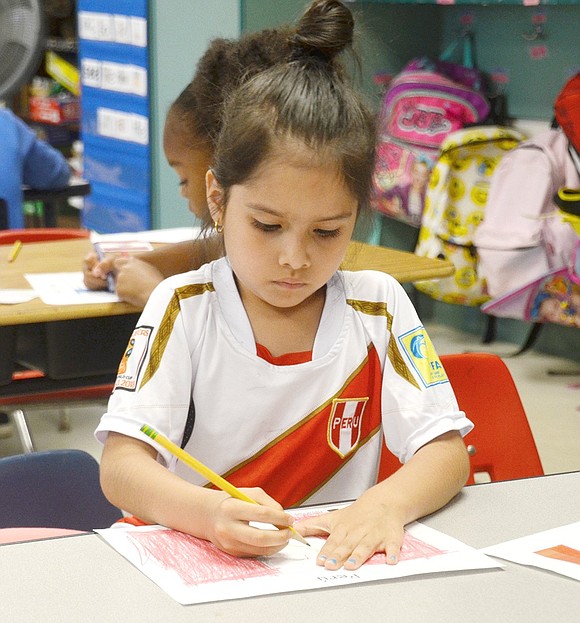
x: 298, y: 463
x: 289, y: 359
x: 389, y: 463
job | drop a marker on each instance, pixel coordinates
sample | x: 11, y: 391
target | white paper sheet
x: 557, y: 550
x: 12, y: 296
x: 192, y: 571
x: 67, y: 289
x: 172, y: 234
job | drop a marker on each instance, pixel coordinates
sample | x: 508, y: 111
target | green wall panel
x: 538, y: 69
x: 180, y: 31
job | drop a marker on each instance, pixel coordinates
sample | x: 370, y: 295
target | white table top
x: 83, y: 579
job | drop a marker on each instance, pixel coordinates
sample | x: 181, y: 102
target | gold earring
x: 218, y: 227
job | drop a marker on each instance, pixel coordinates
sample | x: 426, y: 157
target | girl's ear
x: 215, y: 197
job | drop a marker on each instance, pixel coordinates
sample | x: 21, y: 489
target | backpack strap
x: 568, y: 200
x: 467, y: 52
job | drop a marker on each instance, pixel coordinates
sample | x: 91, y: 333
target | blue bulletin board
x: 115, y: 121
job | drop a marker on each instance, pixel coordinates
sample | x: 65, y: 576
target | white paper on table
x: 12, y: 296
x: 556, y: 550
x: 67, y: 289
x: 174, y: 234
x: 192, y: 571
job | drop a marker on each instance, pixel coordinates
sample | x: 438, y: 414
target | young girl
x: 190, y: 132
x: 271, y: 366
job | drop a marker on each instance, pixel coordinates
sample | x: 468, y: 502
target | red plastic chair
x: 501, y: 446
x: 32, y: 386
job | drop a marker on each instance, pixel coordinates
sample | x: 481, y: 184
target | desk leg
x: 23, y: 430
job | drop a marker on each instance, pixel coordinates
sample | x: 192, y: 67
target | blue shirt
x: 25, y: 159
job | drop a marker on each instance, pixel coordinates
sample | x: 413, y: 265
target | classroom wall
x: 536, y: 70
x: 179, y: 32
x: 386, y: 35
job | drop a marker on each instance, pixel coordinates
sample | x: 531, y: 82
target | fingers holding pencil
x: 237, y: 494
x: 244, y: 529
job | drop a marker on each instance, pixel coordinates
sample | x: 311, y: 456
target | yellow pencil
x: 15, y: 250
x: 206, y: 472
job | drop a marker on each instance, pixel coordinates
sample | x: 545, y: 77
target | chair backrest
x: 53, y: 489
x: 41, y: 234
x: 501, y: 446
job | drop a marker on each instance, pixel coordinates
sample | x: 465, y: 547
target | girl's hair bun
x: 325, y: 30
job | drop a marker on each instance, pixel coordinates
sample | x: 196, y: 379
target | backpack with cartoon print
x: 423, y: 104
x: 455, y: 206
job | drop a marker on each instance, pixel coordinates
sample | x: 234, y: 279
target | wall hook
x: 539, y: 32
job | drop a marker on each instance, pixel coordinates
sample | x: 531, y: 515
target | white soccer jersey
x: 306, y: 432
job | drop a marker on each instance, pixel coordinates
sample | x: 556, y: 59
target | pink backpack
x: 522, y: 236
x: 424, y: 103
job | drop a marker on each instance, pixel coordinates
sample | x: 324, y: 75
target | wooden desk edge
x: 404, y: 266
x: 445, y: 270
x: 66, y: 312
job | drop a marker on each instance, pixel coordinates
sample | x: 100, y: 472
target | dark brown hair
x: 307, y: 99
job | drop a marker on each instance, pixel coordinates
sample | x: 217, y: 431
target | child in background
x: 270, y: 365
x: 25, y: 160
x: 190, y: 132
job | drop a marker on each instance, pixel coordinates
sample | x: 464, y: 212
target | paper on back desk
x: 175, y: 234
x: 12, y: 296
x: 67, y: 289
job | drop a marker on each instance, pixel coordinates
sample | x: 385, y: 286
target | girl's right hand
x: 135, y: 279
x: 229, y: 526
x: 95, y: 271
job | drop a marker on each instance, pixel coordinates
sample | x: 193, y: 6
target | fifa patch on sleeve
x: 133, y: 359
x: 422, y: 357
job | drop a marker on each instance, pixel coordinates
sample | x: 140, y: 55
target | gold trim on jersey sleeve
x: 166, y: 325
x: 373, y: 308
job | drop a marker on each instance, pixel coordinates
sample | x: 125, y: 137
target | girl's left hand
x: 356, y: 532
x: 376, y: 521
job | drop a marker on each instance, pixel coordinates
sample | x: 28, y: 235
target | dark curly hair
x: 223, y: 67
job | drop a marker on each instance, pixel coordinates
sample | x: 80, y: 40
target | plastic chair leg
x: 64, y: 420
x: 531, y: 339
x: 490, y: 329
x: 23, y: 430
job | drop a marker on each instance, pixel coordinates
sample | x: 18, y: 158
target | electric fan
x: 22, y: 43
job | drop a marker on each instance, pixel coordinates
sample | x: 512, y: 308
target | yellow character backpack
x: 455, y: 206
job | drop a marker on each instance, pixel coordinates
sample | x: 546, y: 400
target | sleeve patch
x: 133, y: 359
x: 422, y: 356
